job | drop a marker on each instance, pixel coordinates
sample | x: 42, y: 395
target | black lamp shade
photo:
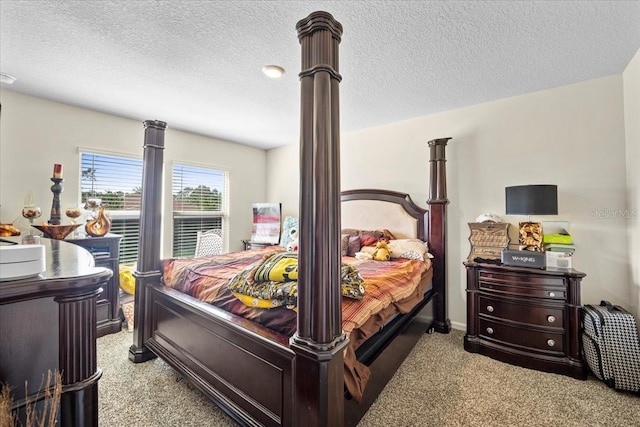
x: 532, y: 200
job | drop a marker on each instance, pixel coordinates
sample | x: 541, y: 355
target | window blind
x: 129, y: 229
x: 200, y: 203
x: 117, y: 182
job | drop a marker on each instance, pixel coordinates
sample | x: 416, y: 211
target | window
x: 200, y: 203
x: 117, y: 182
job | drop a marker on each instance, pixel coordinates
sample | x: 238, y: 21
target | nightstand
x: 106, y: 253
x: 525, y: 316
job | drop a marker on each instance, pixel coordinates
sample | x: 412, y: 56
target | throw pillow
x: 288, y: 224
x: 407, y: 248
x: 353, y: 246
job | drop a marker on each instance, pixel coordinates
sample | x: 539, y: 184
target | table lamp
x: 531, y: 200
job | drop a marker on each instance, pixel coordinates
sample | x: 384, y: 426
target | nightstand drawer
x: 524, y: 338
x: 518, y: 312
x: 102, y: 296
x: 522, y: 286
x: 530, y: 279
x: 102, y: 309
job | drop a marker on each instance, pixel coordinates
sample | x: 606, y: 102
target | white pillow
x: 408, y: 248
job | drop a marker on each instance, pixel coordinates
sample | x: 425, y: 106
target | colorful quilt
x: 391, y: 287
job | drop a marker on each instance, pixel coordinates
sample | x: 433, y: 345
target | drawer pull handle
x: 490, y: 331
x: 552, y: 294
x: 490, y: 308
x: 551, y: 343
x: 551, y: 319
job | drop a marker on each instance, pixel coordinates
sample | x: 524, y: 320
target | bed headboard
x: 370, y: 209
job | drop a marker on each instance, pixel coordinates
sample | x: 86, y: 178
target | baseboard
x: 459, y: 326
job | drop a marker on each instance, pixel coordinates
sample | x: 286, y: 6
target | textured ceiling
x: 197, y: 64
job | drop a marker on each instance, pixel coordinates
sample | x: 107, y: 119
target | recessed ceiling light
x: 7, y: 79
x: 273, y: 71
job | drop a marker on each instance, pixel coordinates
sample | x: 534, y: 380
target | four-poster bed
x: 257, y: 375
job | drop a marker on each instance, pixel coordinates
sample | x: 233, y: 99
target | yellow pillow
x: 266, y: 295
x: 281, y: 267
x: 127, y: 281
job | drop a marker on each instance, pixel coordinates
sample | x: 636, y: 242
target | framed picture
x: 266, y: 223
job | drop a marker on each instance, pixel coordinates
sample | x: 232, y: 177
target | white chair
x: 209, y: 243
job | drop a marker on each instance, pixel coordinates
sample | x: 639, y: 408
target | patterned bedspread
x: 390, y: 287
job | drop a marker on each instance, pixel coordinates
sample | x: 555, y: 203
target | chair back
x: 209, y: 243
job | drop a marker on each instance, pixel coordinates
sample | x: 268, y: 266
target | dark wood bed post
x: 148, y: 269
x: 438, y: 230
x: 319, y: 341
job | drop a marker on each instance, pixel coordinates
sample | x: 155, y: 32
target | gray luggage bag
x: 611, y: 345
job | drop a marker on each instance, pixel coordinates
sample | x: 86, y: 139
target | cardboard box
x: 564, y: 239
x: 558, y: 260
x: 556, y: 232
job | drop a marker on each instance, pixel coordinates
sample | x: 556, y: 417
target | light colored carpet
x: 438, y: 385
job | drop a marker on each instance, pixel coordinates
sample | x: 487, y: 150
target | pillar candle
x: 57, y: 171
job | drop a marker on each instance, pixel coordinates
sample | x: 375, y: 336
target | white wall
x: 572, y: 136
x: 631, y: 81
x: 36, y: 133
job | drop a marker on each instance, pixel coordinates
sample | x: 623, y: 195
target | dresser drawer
x: 530, y: 279
x: 104, y: 295
x: 527, y: 339
x: 103, y: 307
x: 529, y: 285
x: 515, y: 311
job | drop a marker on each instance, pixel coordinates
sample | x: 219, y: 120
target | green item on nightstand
x: 557, y: 238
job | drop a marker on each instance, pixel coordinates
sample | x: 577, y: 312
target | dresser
x: 47, y: 325
x: 525, y: 316
x: 106, y: 253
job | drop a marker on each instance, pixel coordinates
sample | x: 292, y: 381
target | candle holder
x: 56, y: 232
x: 56, y: 189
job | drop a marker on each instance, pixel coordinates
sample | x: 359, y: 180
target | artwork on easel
x: 266, y: 223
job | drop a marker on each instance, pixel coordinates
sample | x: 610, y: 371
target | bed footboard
x: 244, y: 368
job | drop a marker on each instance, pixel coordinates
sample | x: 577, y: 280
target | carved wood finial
x: 319, y: 34
x: 437, y: 163
x: 154, y: 133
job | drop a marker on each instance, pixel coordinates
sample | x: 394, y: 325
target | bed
x: 257, y: 375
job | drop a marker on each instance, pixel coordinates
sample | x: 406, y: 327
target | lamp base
x: 531, y: 236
